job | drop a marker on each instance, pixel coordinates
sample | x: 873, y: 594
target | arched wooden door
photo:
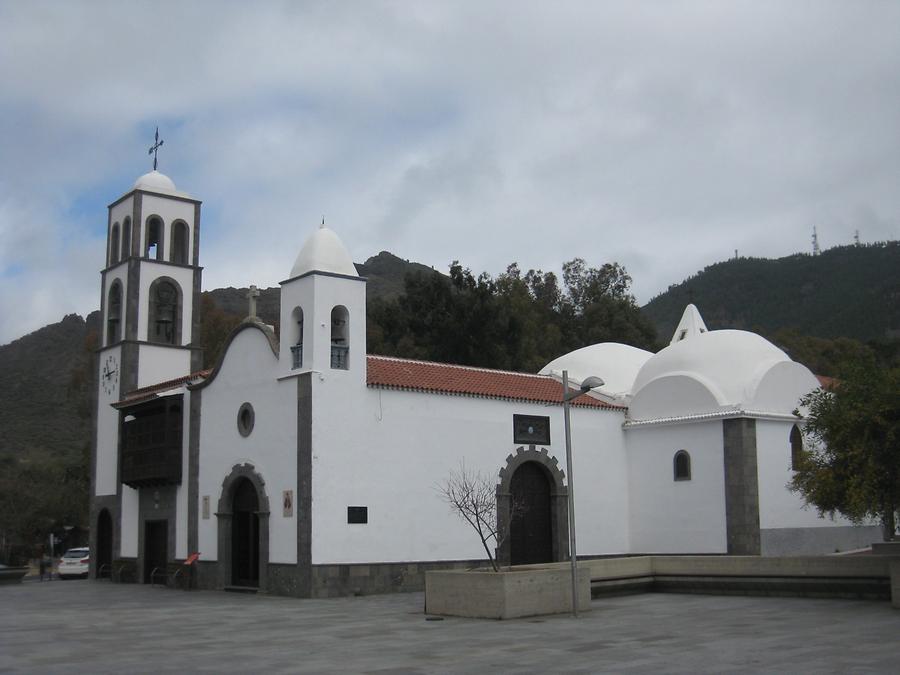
x: 531, y: 529
x: 245, y: 535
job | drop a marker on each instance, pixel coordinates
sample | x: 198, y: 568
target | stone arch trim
x: 224, y: 514
x: 559, y: 504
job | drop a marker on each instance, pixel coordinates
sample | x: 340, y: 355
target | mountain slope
x: 847, y: 291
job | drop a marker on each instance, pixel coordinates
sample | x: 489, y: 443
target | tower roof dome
x: 155, y: 181
x: 324, y: 252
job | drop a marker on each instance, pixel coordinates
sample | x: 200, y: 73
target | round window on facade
x: 245, y: 419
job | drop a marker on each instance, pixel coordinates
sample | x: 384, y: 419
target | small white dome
x: 616, y: 364
x: 155, y: 181
x: 323, y: 252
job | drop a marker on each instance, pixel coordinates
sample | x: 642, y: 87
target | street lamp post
x: 586, y: 385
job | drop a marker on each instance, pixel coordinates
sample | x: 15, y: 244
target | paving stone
x: 99, y: 627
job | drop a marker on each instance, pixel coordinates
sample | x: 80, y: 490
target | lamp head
x: 591, y: 382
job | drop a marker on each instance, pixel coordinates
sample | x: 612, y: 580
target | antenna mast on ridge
x: 815, y: 242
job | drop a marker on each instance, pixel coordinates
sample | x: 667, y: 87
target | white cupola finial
x: 691, y: 325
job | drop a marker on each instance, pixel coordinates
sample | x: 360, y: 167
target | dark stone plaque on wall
x: 531, y: 429
x: 357, y: 515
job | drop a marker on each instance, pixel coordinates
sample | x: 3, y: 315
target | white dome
x: 323, y: 252
x: 616, y: 364
x: 719, y: 369
x: 156, y: 182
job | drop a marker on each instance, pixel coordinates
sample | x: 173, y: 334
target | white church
x: 301, y: 465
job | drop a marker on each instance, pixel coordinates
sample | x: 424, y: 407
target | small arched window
x: 682, y: 465
x: 340, y: 337
x: 179, y: 253
x: 126, y: 238
x: 796, y: 448
x: 154, y: 246
x: 164, y: 326
x: 114, y: 313
x: 297, y: 338
x: 114, y: 245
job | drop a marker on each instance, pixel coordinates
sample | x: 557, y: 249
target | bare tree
x: 473, y: 496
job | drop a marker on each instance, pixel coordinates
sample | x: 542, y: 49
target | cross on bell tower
x: 157, y: 144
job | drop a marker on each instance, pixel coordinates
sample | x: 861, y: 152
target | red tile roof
x: 826, y: 382
x: 443, y: 378
x: 147, y: 393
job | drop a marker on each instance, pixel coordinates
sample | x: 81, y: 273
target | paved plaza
x: 99, y: 627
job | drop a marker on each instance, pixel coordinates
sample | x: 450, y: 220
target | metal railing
x: 297, y: 356
x: 155, y: 572
x: 339, y: 357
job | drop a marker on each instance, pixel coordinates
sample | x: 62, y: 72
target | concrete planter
x: 528, y: 591
x: 12, y: 575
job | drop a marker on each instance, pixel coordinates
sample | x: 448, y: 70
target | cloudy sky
x: 662, y: 135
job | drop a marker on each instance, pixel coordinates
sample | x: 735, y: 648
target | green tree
x: 215, y: 327
x: 852, y: 461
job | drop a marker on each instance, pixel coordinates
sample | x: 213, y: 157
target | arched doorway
x: 245, y: 535
x: 103, y: 556
x: 533, y: 483
x: 531, y: 529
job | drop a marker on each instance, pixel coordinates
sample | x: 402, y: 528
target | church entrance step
x: 242, y: 589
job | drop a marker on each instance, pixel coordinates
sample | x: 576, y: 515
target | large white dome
x: 324, y: 252
x: 730, y: 361
x: 616, y: 364
x: 706, y: 371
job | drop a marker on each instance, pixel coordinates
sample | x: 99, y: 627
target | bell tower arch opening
x: 164, y: 325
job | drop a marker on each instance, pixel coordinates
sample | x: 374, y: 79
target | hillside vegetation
x: 847, y: 291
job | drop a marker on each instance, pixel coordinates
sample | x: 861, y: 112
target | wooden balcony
x: 151, y: 443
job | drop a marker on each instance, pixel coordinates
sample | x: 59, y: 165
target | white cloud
x: 663, y: 136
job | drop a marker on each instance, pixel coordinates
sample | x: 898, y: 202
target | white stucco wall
x: 248, y: 374
x: 317, y: 295
x: 390, y: 450
x: 130, y: 522
x: 159, y: 364
x: 669, y: 516
x: 106, y: 481
x: 778, y: 506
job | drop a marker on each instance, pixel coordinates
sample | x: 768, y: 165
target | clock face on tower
x: 109, y: 377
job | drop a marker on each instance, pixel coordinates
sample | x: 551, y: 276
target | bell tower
x: 150, y: 297
x: 323, y: 311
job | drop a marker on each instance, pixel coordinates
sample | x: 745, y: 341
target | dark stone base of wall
x: 289, y: 580
x: 125, y: 570
x: 330, y: 581
x: 206, y: 575
x: 791, y: 541
x: 848, y: 588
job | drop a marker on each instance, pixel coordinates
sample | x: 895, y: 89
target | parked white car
x: 74, y: 563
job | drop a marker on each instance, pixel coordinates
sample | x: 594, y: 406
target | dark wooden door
x: 245, y: 536
x: 531, y: 529
x: 156, y: 554
x: 103, y: 558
